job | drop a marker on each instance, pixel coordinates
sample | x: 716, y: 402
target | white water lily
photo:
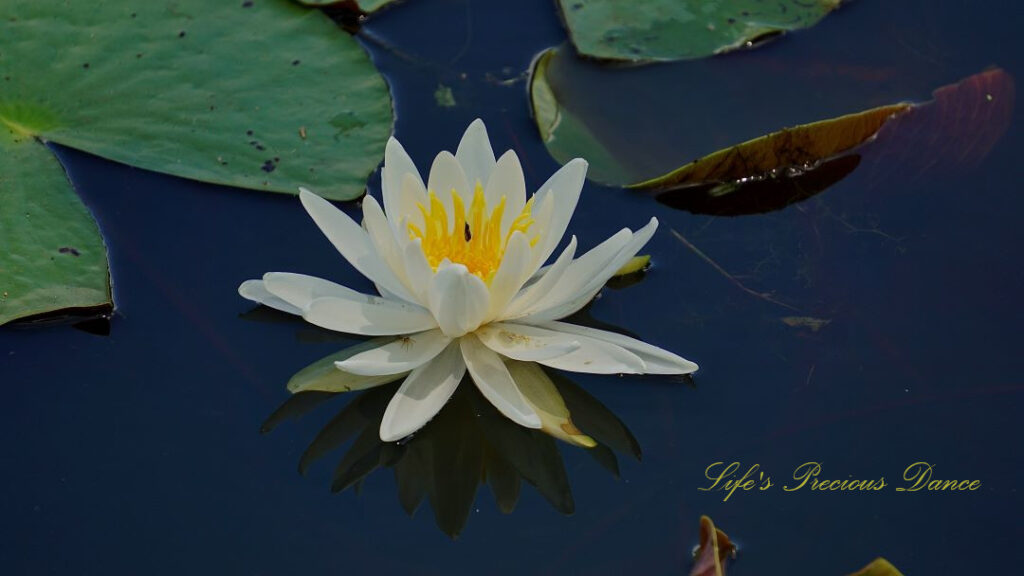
x: 459, y: 265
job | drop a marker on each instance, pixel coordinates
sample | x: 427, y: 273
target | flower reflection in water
x: 469, y: 443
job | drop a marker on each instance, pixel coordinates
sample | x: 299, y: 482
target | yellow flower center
x: 475, y: 240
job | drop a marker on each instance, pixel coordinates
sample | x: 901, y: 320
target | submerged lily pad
x: 264, y: 95
x: 682, y: 29
x: 564, y: 134
x: 53, y: 257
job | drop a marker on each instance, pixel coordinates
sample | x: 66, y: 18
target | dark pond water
x: 140, y: 452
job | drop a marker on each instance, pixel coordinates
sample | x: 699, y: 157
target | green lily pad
x: 363, y: 6
x: 268, y: 95
x: 263, y: 95
x: 53, y: 257
x: 682, y: 29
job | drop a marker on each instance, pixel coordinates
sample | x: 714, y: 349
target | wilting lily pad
x: 263, y: 95
x: 53, y: 257
x: 605, y: 120
x: 363, y: 6
x: 682, y: 29
x: 790, y: 165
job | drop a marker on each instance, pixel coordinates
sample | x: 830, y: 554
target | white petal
x: 369, y: 316
x: 459, y: 300
x: 382, y: 236
x: 256, y: 291
x: 657, y: 360
x: 529, y: 296
x: 446, y: 175
x: 475, y: 154
x: 353, y: 243
x: 565, y: 187
x: 578, y: 275
x: 511, y: 274
x: 401, y: 355
x: 554, y: 311
x: 410, y: 197
x: 418, y: 270
x: 397, y: 167
x: 492, y: 378
x: 596, y: 356
x: 635, y: 244
x: 527, y: 343
x: 300, y: 289
x: 423, y: 394
x: 507, y: 180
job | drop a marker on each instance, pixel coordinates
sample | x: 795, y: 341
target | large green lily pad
x: 682, y: 29
x: 52, y: 256
x: 264, y: 95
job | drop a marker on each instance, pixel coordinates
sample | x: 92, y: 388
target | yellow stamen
x: 475, y: 240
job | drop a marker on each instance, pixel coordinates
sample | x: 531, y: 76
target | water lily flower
x: 459, y: 265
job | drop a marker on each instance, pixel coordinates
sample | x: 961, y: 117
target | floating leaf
x: 878, y: 567
x: 264, y: 95
x: 212, y: 91
x: 960, y: 124
x: 682, y: 29
x: 637, y: 124
x: 714, y: 548
x: 798, y: 148
x: 52, y: 256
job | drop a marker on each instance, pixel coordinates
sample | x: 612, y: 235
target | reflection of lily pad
x: 242, y: 94
x: 681, y: 29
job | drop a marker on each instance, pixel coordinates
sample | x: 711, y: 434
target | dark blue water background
x: 140, y: 453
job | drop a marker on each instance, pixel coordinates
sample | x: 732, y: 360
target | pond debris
x: 302, y: 132
x: 809, y: 322
x: 443, y: 96
x: 767, y: 297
